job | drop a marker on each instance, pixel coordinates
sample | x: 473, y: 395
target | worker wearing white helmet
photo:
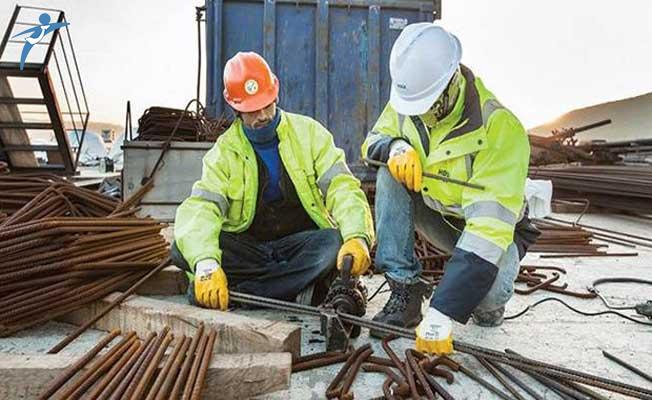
x: 442, y: 120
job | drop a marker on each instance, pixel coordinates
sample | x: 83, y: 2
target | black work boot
x: 403, y: 309
x: 489, y: 319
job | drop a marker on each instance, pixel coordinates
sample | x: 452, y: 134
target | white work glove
x: 211, y: 285
x: 398, y: 147
x: 435, y: 333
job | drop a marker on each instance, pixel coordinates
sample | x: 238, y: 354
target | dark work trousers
x: 279, y: 269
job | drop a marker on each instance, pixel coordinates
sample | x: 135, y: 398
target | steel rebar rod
x: 109, y: 307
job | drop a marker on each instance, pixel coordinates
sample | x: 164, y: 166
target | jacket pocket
x: 236, y: 200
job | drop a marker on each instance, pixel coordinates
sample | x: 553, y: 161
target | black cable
x: 588, y: 314
x: 377, y: 291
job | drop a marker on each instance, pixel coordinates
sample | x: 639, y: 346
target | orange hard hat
x: 249, y: 84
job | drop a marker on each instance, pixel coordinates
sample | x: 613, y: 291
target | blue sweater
x: 265, y: 143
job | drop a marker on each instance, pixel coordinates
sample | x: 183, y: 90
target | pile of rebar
x: 135, y: 369
x: 623, y: 188
x: 18, y: 190
x: 51, y: 266
x: 417, y: 376
x: 157, y: 123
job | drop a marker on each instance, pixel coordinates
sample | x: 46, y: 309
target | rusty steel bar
x: 89, y: 376
x: 421, y: 376
x: 628, y: 366
x: 485, y: 363
x: 194, y: 370
x: 165, y: 391
x: 78, y: 365
x: 115, y: 369
x: 198, y: 385
x: 320, y: 362
x: 334, y: 389
x: 516, y: 380
x: 397, y: 361
x: 152, y: 362
x: 129, y: 374
x: 185, y: 369
x: 384, y: 370
x: 381, y: 361
x: 487, y: 385
x: 108, y: 308
x: 540, y: 285
x: 165, y: 370
x: 409, y: 375
x: 122, y: 373
x: 353, y: 372
x: 427, y: 366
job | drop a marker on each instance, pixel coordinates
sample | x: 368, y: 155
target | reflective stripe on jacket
x: 479, y: 142
x: 225, y: 196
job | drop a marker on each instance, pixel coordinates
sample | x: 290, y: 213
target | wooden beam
x: 235, y: 333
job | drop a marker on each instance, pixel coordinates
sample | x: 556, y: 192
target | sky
x: 540, y: 59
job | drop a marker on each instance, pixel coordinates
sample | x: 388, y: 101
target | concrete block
x: 235, y: 333
x: 170, y: 281
x: 230, y: 376
x: 25, y: 376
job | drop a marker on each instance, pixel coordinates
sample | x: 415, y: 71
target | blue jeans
x: 279, y: 269
x: 399, y: 212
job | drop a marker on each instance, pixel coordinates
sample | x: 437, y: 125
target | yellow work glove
x: 357, y: 248
x: 211, y: 285
x: 435, y: 333
x: 404, y: 165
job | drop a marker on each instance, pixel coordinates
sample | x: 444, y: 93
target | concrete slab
x: 550, y: 332
x: 230, y: 376
x: 235, y: 333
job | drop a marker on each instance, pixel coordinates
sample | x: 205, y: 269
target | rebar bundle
x: 139, y: 369
x: 623, y: 188
x: 156, y: 123
x: 43, y: 195
x: 52, y: 266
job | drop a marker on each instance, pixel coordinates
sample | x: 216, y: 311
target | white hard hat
x: 423, y: 60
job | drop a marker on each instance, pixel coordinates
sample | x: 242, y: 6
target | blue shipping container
x: 331, y: 57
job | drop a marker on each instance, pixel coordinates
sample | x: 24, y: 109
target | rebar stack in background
x: 624, y: 188
x: 156, y: 123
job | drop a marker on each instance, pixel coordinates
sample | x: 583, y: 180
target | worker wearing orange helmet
x: 276, y: 208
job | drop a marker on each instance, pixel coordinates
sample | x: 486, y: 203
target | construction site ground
x: 549, y: 332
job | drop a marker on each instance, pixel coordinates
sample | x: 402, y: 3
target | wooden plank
x: 8, y: 137
x: 235, y: 333
x: 230, y: 376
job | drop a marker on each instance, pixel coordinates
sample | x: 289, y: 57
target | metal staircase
x: 44, y: 102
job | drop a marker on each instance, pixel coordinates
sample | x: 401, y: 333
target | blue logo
x: 37, y: 34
